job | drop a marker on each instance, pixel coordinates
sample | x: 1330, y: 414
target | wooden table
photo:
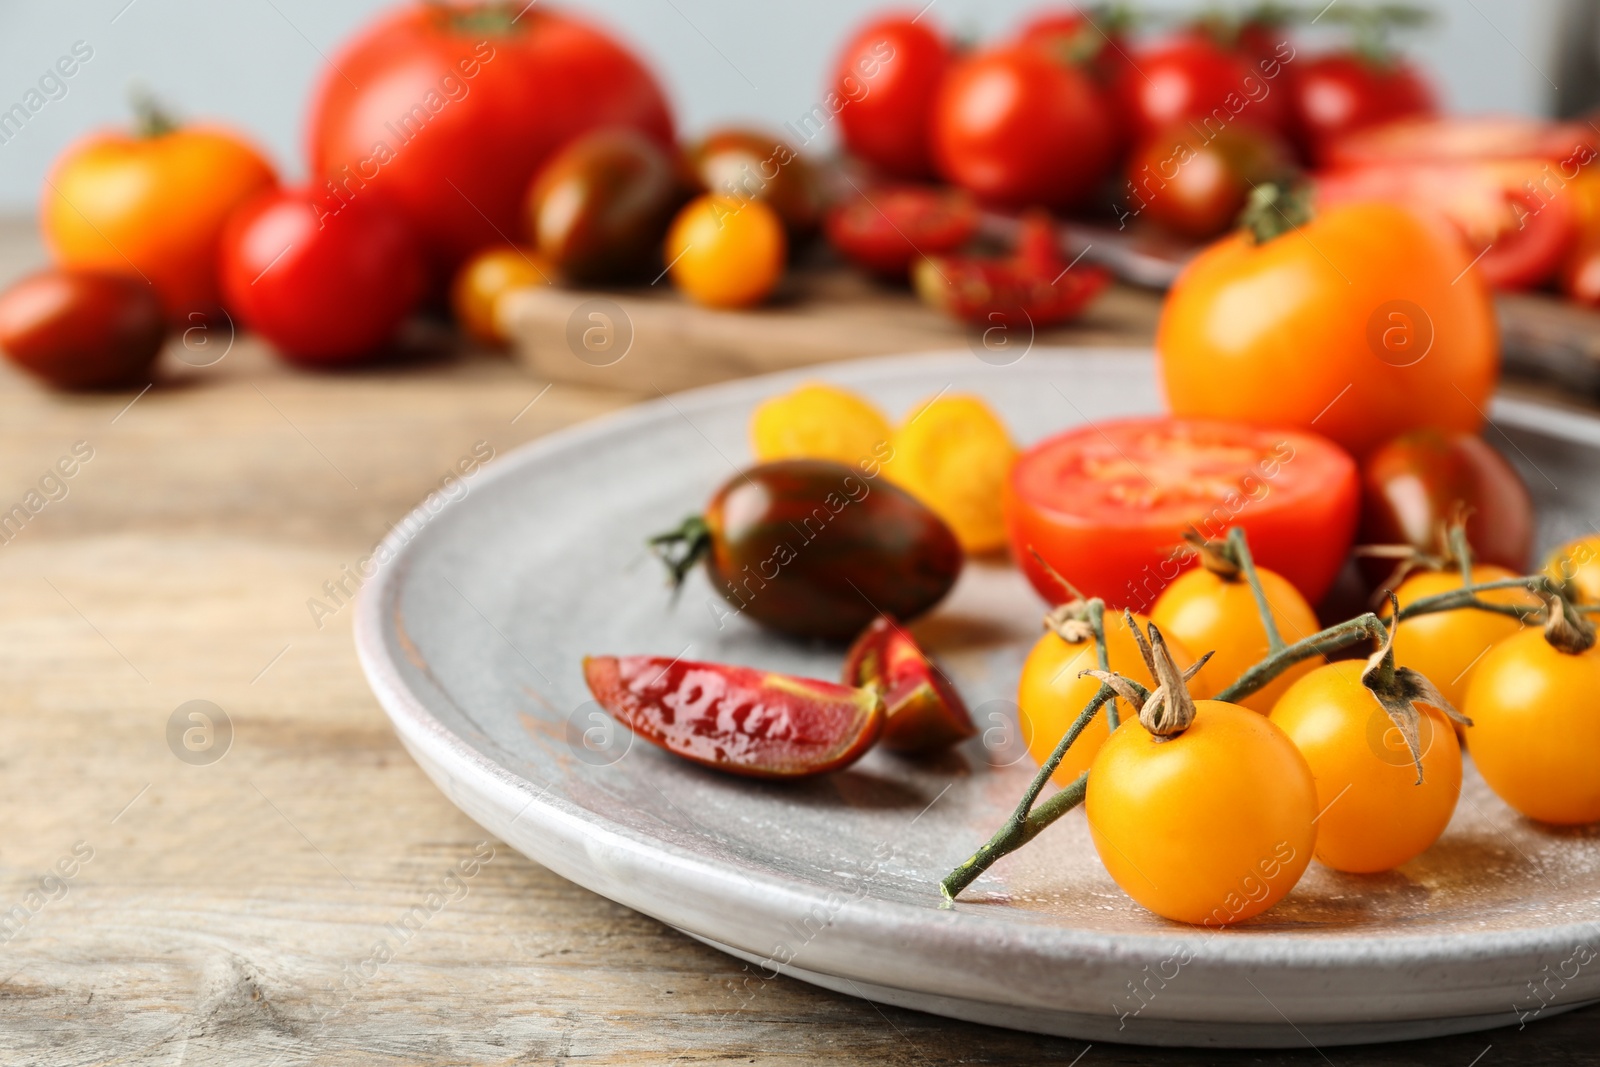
x: 218, y: 913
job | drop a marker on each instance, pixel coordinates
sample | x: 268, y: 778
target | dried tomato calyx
x: 1565, y: 627
x: 1398, y: 689
x: 1168, y: 710
x: 1215, y: 556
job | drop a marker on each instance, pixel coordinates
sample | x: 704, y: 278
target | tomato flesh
x: 1107, y: 505
x: 925, y: 711
x: 737, y: 719
x: 887, y: 230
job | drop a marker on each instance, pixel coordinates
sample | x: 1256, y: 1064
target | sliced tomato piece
x: 738, y: 719
x: 1445, y: 140
x: 1107, y: 504
x: 888, y: 229
x: 1033, y: 287
x: 1518, y: 217
x: 925, y: 711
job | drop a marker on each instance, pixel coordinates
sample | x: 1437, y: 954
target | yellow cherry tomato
x: 953, y: 454
x: 818, y: 421
x: 1578, y: 562
x: 1050, y: 695
x: 1213, y: 614
x: 1447, y: 646
x: 726, y: 252
x: 1373, y: 816
x: 482, y: 280
x: 1535, y: 729
x: 1210, y: 827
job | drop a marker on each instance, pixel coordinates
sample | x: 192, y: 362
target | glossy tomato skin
x: 1447, y: 646
x: 724, y: 252
x: 1051, y: 693
x: 886, y: 79
x: 1534, y: 728
x: 1413, y: 487
x: 82, y: 329
x: 599, y: 209
x: 483, y: 279
x: 1017, y: 126
x: 1107, y: 504
x: 1071, y: 31
x: 1383, y: 817
x: 1321, y: 330
x: 153, y: 207
x: 1211, y: 827
x: 887, y: 230
x: 1192, y: 78
x: 1580, y: 273
x: 458, y: 107
x: 1335, y: 94
x: 737, y: 719
x: 1516, y: 235
x: 324, y: 284
x: 1194, y: 184
x: 752, y: 165
x: 814, y: 548
x: 925, y: 712
x: 1219, y: 615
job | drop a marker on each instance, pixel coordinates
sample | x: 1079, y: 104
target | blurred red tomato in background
x: 449, y: 110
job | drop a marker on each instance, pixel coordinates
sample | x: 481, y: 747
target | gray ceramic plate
x: 471, y: 639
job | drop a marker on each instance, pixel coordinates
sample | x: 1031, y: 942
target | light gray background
x: 253, y: 62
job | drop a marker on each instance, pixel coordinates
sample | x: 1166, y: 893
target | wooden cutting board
x: 650, y: 339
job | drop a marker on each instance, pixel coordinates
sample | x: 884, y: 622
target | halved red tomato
x: 1439, y: 140
x: 1516, y: 216
x: 925, y: 711
x: 1107, y: 504
x: 888, y: 229
x: 737, y: 719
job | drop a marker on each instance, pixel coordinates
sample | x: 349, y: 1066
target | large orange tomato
x: 1362, y: 323
x: 1051, y: 695
x: 152, y: 204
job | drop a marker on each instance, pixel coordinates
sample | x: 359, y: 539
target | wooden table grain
x: 302, y: 900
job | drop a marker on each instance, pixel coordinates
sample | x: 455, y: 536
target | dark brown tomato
x: 82, y: 329
x: 813, y: 548
x: 738, y: 719
x: 1196, y: 185
x: 749, y: 165
x: 600, y: 209
x: 926, y: 713
x: 1418, y: 483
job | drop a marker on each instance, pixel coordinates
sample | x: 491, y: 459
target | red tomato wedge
x: 1518, y: 216
x: 925, y: 711
x: 888, y: 229
x: 738, y: 719
x: 1106, y: 505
